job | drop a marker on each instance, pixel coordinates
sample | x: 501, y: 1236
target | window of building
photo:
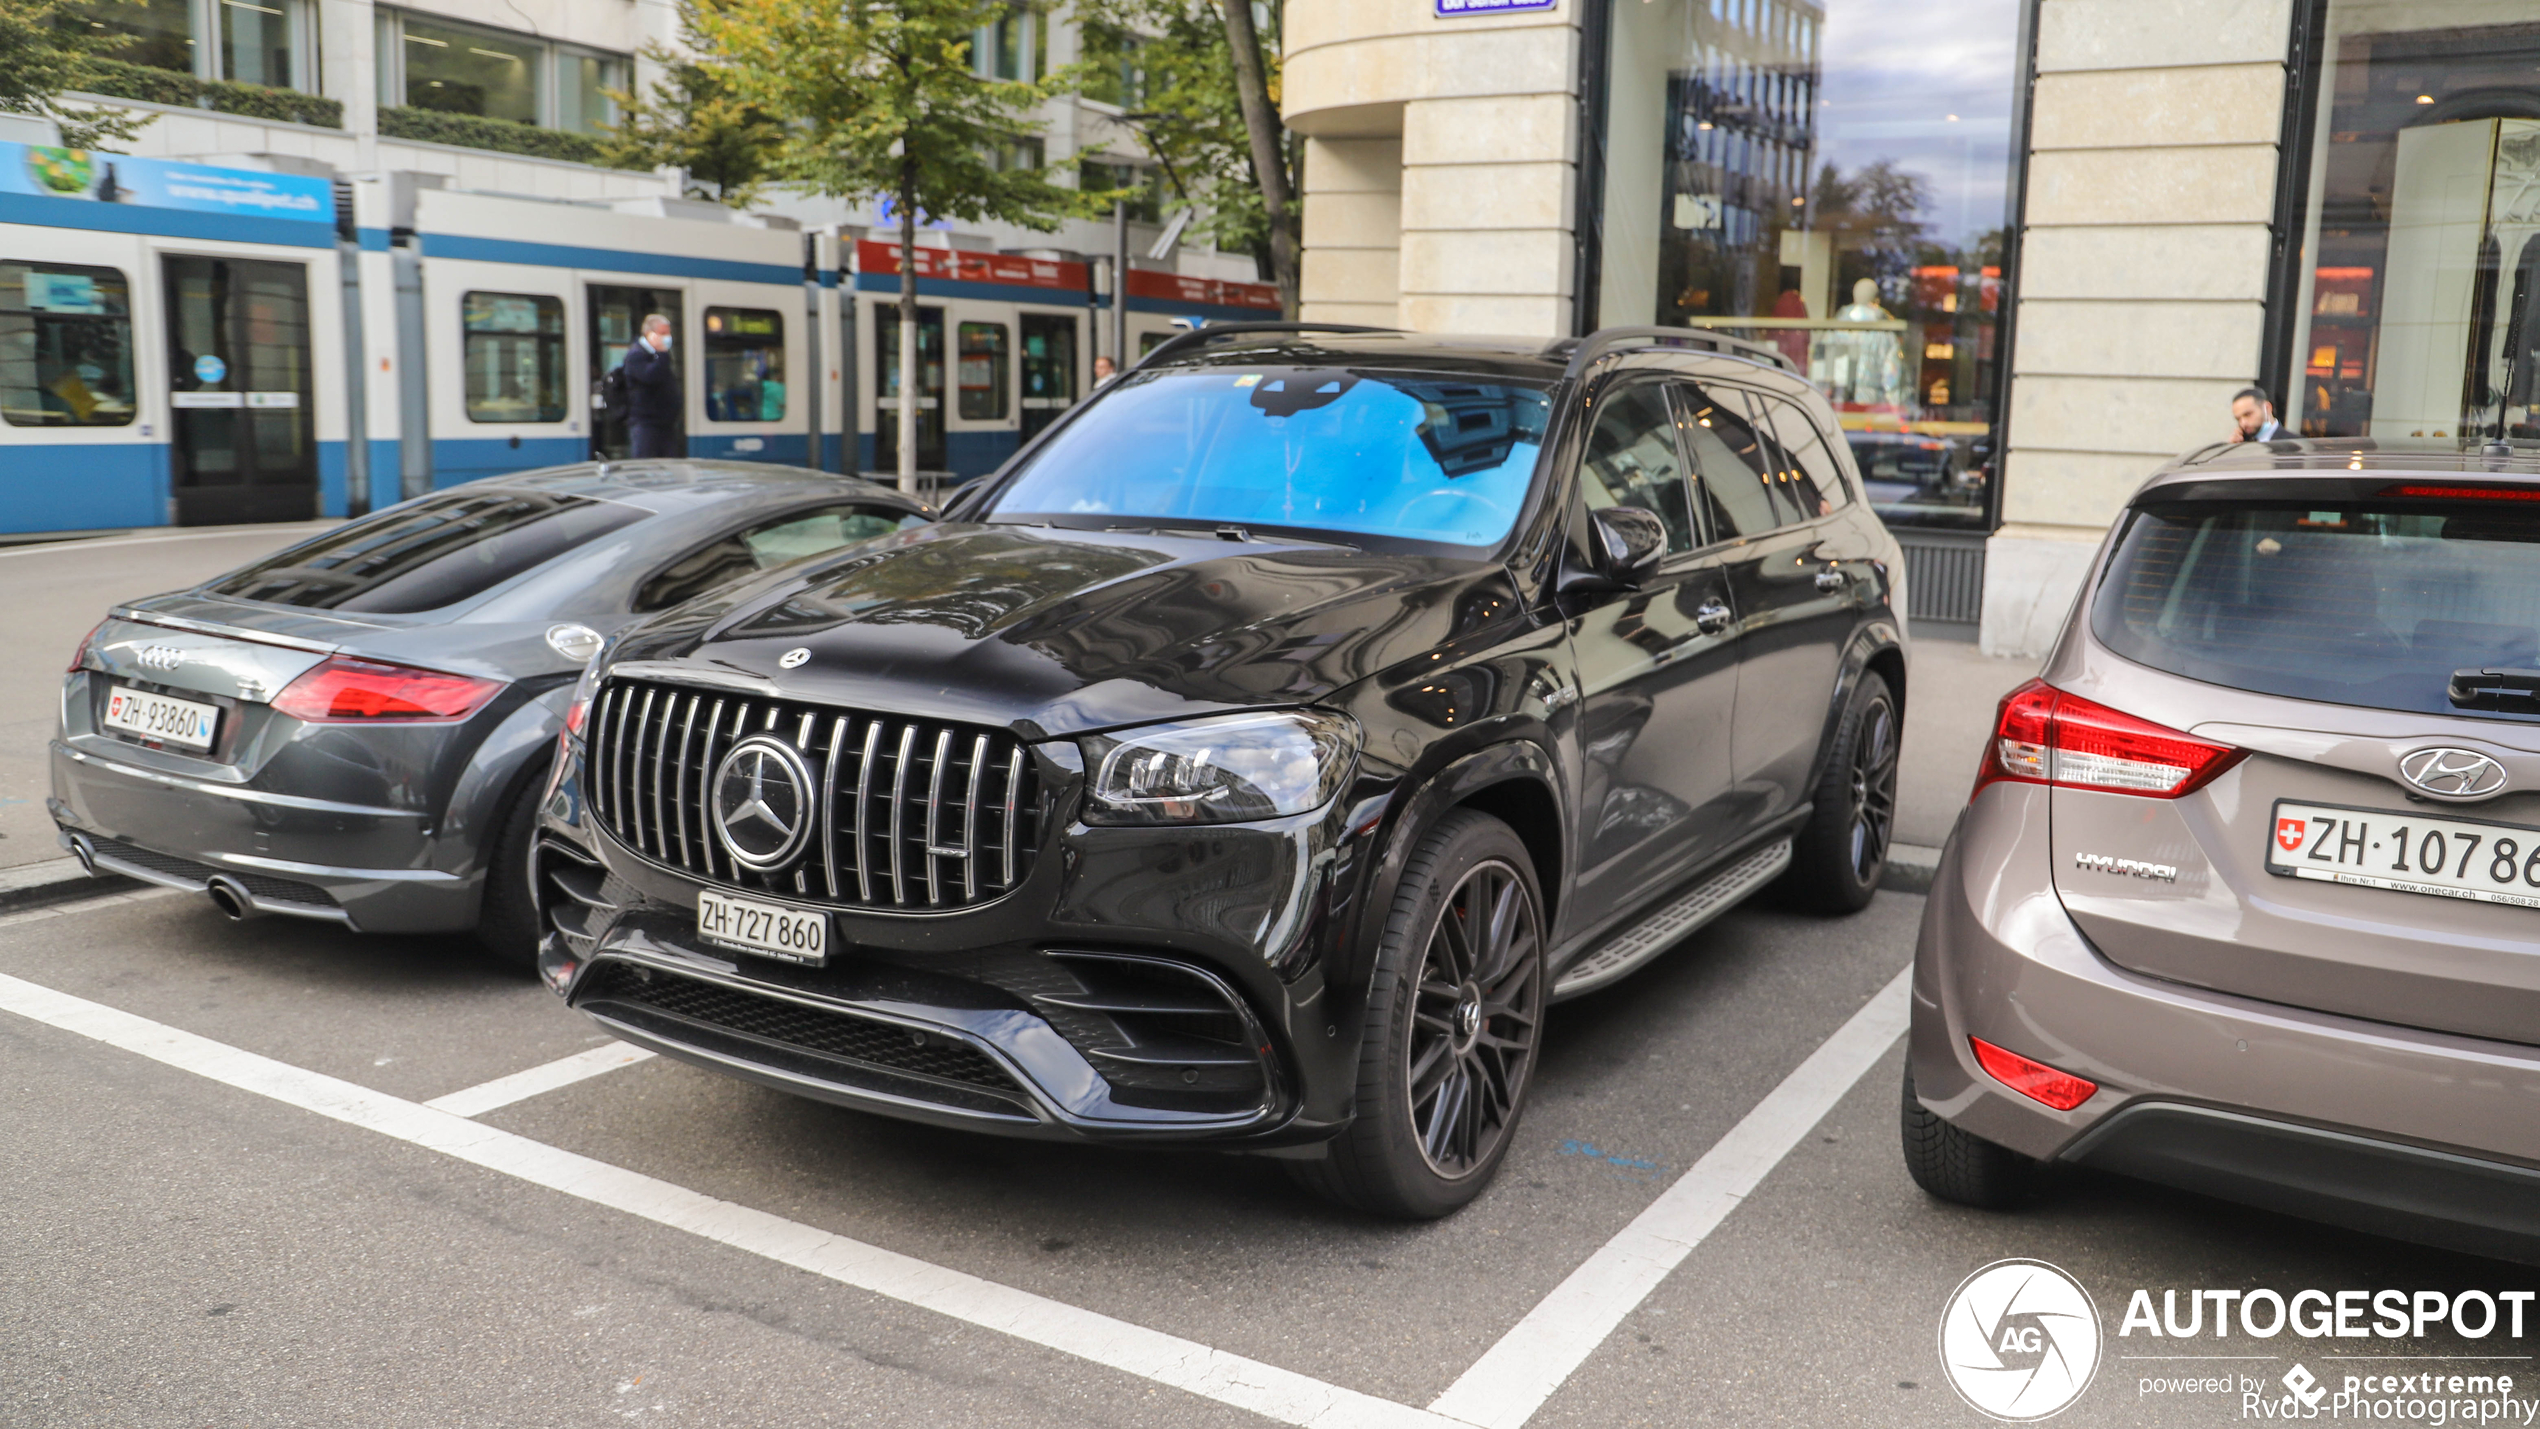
x: 982, y: 371
x: 2416, y: 308
x: 745, y: 365
x: 1006, y: 48
x: 430, y: 63
x: 513, y: 355
x: 159, y: 33
x: 65, y: 346
x: 267, y: 42
x: 1831, y: 178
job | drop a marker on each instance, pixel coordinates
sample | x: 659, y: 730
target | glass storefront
x: 2417, y: 310
x: 1831, y: 178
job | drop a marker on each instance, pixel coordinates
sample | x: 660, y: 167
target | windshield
x: 1405, y: 456
x: 2357, y: 602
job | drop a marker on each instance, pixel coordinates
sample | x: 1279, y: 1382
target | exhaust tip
x: 232, y: 899
x: 86, y: 853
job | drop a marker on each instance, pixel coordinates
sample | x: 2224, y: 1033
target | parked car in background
x: 1252, y: 760
x: 357, y: 728
x: 2247, y: 899
x: 1912, y: 474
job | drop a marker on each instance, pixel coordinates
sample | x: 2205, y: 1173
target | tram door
x: 1049, y: 369
x: 245, y: 440
x: 930, y: 388
x: 617, y: 317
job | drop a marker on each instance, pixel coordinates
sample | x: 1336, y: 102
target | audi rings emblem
x: 2452, y: 773
x: 762, y: 803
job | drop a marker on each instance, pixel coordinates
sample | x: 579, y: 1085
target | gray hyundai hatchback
x: 2247, y: 897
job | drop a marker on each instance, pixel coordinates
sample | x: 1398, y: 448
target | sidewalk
x: 1951, y: 690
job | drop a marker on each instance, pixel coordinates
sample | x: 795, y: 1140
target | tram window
x: 513, y: 352
x: 65, y: 346
x: 983, y: 357
x: 745, y: 365
x: 1150, y: 341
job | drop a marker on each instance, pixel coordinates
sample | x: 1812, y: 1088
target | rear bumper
x: 2428, y: 1135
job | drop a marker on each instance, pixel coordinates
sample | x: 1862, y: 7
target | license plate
x: 770, y: 930
x: 2407, y: 853
x: 186, y: 724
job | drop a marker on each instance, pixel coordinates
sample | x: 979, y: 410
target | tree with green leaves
x: 883, y: 99
x: 45, y: 46
x: 692, y: 120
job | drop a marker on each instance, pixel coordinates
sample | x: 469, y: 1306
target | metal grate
x: 276, y: 890
x: 841, y: 1035
x: 907, y: 813
x: 1944, y: 575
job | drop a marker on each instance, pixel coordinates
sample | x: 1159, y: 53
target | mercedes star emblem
x: 793, y: 657
x: 2453, y: 773
x: 762, y: 803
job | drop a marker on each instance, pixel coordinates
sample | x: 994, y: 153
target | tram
x: 190, y: 344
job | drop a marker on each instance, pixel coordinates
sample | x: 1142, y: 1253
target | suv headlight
x: 1230, y: 769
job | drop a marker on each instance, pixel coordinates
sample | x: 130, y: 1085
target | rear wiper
x: 2502, y: 691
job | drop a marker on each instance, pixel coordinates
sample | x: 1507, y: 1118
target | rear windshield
x: 429, y: 553
x: 2370, y: 602
x: 1405, y: 456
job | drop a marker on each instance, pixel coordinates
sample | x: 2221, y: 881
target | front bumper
x: 2394, y: 1130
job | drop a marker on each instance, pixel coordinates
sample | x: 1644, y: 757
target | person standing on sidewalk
x: 652, y: 392
x: 2253, y: 417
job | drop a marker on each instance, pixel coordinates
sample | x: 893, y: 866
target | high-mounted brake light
x: 2035, y: 1080
x: 344, y: 689
x: 2463, y: 493
x: 2044, y: 735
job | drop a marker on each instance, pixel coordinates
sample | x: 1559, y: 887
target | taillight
x: 345, y: 689
x: 2035, y: 1080
x: 79, y: 657
x: 2043, y: 735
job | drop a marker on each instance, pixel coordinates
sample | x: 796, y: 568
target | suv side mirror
x: 1629, y: 541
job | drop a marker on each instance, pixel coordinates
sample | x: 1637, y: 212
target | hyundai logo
x: 761, y: 803
x: 2453, y: 773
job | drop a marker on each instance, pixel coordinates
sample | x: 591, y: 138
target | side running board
x: 1637, y: 944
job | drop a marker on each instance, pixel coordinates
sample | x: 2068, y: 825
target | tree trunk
x: 912, y: 384
x: 1269, y: 153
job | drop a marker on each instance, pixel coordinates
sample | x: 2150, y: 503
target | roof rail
x: 1202, y: 336
x: 1606, y: 341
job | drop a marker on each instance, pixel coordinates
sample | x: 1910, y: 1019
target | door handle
x: 1832, y: 579
x: 1712, y: 616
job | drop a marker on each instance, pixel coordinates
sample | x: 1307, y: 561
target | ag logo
x: 2019, y: 1340
x: 2288, y: 834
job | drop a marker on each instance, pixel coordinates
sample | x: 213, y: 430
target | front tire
x: 1838, y: 858
x: 507, y: 917
x: 1454, y: 1020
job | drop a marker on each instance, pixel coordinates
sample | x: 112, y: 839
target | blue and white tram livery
x: 166, y: 348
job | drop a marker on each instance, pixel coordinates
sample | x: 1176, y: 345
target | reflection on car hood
x: 1059, y: 632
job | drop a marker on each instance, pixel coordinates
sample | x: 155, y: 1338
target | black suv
x: 1253, y: 758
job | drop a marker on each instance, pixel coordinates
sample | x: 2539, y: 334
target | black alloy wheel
x: 1454, y: 1020
x: 1838, y: 858
x: 1477, y: 1012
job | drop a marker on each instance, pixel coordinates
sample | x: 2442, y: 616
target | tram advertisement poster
x: 42, y: 171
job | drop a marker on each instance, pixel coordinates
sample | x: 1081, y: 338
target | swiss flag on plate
x: 2288, y: 834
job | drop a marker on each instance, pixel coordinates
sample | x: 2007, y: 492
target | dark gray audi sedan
x: 2247, y: 899
x: 357, y: 728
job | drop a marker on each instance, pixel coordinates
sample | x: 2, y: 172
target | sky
x: 1895, y: 70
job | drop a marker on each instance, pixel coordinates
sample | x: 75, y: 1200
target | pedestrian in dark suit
x: 652, y: 392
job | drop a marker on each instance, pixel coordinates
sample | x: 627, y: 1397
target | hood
x: 1056, y: 632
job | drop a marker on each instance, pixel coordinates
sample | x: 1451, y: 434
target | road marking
x: 521, y: 1086
x: 1263, y: 1389
x: 81, y: 543
x: 67, y: 908
x: 1506, y: 1386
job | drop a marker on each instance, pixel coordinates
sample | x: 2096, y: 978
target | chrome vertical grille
x: 913, y: 814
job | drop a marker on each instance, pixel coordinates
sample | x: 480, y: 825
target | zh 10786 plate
x: 771, y: 930
x: 2406, y: 853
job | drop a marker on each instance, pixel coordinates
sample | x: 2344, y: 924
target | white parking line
x: 520, y: 1086
x: 1505, y: 1387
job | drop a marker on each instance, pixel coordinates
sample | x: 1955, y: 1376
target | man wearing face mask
x: 652, y: 392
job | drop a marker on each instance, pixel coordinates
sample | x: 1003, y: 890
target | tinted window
x: 745, y: 365
x: 1730, y: 461
x: 1812, y: 476
x: 2370, y: 602
x: 1389, y: 454
x: 1632, y: 461
x: 428, y: 553
x: 513, y: 355
x: 982, y: 371
x: 65, y: 345
x: 765, y: 546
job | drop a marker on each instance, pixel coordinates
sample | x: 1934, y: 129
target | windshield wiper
x: 2505, y: 691
x: 1223, y: 532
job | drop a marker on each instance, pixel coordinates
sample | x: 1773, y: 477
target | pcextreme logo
x: 2019, y: 1340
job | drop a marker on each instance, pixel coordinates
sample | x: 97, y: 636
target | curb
x: 56, y: 880
x: 1910, y: 868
